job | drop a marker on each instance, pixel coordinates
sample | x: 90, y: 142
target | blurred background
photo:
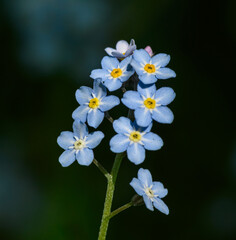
x: 49, y: 48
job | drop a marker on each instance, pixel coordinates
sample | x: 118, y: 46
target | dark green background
x: 48, y: 51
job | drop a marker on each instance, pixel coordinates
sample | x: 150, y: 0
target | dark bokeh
x: 48, y: 51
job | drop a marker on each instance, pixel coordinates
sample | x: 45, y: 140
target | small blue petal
x: 83, y: 95
x: 112, y: 84
x: 143, y: 116
x: 148, y: 202
x: 95, y: 117
x: 136, y: 153
x: 148, y: 78
x: 94, y: 139
x: 141, y: 56
x: 160, y: 59
x: 163, y: 115
x: 81, y: 113
x: 145, y: 177
x: 148, y: 91
x: 137, y: 67
x: 124, y: 63
x: 80, y: 129
x: 161, y: 206
x: 137, y: 186
x: 159, y: 189
x: 123, y: 125
x: 109, y: 63
x: 130, y: 50
x: 125, y: 76
x: 108, y: 103
x: 98, y: 89
x: 67, y: 158
x: 66, y: 139
x: 142, y: 129
x: 165, y: 95
x: 119, y: 143
x: 132, y: 99
x: 165, y: 73
x: 152, y: 141
x: 85, y: 156
x: 99, y: 73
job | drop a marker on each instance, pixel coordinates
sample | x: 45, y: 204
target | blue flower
x: 78, y: 144
x: 152, y: 192
x: 113, y: 72
x: 150, y: 103
x: 93, y: 104
x: 150, y: 68
x: 123, y: 49
x: 134, y: 139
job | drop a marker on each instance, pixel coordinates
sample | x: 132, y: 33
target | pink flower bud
x: 149, y: 50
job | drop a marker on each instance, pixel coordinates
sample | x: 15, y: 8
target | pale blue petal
x: 80, y: 129
x: 136, y: 153
x: 161, y: 206
x: 160, y: 59
x: 119, y: 143
x: 125, y: 76
x: 95, y: 117
x: 142, y: 129
x: 148, y: 91
x: 145, y: 177
x: 141, y: 56
x: 66, y: 139
x: 99, y: 89
x: 165, y: 73
x: 130, y: 50
x: 99, y: 73
x: 165, y: 95
x: 148, y: 202
x: 159, y: 189
x: 112, y: 84
x: 81, y: 113
x: 110, y: 50
x: 109, y: 63
x: 152, y: 141
x: 123, y: 125
x: 117, y: 54
x: 132, y: 99
x: 143, y: 116
x: 94, y: 139
x: 163, y: 115
x: 85, y: 156
x: 148, y: 78
x: 83, y: 95
x: 137, y: 186
x: 108, y: 103
x: 124, y: 63
x: 137, y: 67
x: 122, y: 46
x: 67, y: 158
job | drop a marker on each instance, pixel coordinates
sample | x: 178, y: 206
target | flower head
x: 150, y: 103
x: 152, y: 192
x: 93, y: 103
x: 78, y: 144
x: 150, y: 69
x: 123, y: 49
x: 113, y: 72
x: 133, y: 139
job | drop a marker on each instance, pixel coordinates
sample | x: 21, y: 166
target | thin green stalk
x: 111, y: 180
x: 101, y: 168
x: 121, y: 209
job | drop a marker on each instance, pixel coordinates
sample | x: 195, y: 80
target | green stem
x: 118, y: 210
x: 111, y: 180
x: 101, y: 168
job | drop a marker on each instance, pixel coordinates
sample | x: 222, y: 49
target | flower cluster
x: 124, y: 67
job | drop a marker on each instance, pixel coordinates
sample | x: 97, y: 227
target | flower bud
x: 149, y: 50
x: 137, y: 200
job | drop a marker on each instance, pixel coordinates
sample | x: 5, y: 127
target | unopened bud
x: 149, y: 50
x: 137, y: 200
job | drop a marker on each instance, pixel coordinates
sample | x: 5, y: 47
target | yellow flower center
x: 150, y: 68
x: 150, y: 103
x: 94, y: 103
x: 135, y: 136
x: 79, y: 144
x: 117, y: 72
x: 149, y: 192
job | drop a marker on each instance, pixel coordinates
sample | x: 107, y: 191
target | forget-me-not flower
x: 152, y: 192
x: 123, y: 49
x: 150, y: 69
x: 113, y: 72
x: 78, y: 144
x: 133, y: 139
x: 93, y: 103
x: 149, y: 103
